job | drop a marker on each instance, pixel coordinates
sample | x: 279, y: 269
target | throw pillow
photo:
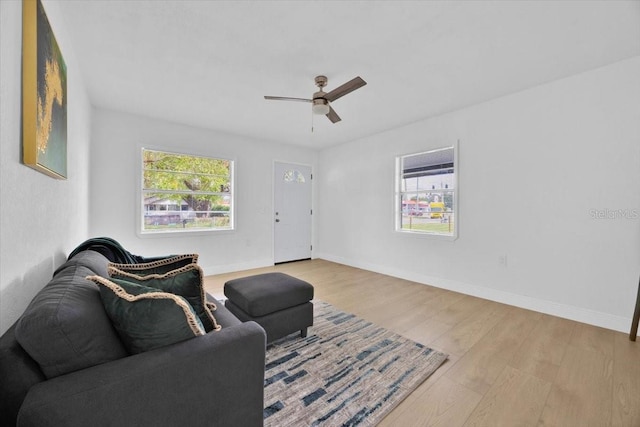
x: 186, y: 282
x: 145, y: 318
x: 160, y: 266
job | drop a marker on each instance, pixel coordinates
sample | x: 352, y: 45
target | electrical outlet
x: 502, y: 260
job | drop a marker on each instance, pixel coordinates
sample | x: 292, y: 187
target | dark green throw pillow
x: 145, y: 318
x: 186, y: 282
x: 160, y: 266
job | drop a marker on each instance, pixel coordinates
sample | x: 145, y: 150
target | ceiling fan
x: 320, y: 103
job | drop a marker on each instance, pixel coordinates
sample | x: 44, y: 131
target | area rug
x: 346, y: 372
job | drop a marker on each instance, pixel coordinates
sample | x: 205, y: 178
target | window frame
x: 398, y: 194
x: 140, y: 231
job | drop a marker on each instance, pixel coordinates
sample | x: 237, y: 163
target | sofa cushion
x: 160, y: 266
x: 53, y: 329
x: 186, y: 282
x: 19, y: 372
x: 146, y: 318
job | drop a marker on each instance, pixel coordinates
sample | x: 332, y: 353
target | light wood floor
x: 507, y: 366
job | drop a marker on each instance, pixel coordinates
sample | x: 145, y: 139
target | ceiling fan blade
x: 284, y: 98
x: 333, y: 116
x: 341, y: 91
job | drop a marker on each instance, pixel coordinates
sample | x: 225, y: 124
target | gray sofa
x: 86, y: 377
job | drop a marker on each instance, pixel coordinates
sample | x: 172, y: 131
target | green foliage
x: 198, y: 181
x: 447, y: 198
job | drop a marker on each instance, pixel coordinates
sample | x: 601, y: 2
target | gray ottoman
x: 281, y: 304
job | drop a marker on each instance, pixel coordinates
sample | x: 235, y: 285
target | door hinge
x: 311, y: 211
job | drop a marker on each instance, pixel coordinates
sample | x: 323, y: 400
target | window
x: 182, y: 193
x: 426, y: 193
x: 293, y: 176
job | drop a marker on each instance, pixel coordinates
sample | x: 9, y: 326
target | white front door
x: 292, y: 213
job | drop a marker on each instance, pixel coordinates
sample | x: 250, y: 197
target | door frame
x: 273, y: 205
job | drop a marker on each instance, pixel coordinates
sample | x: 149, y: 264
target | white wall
x: 533, y: 166
x: 41, y: 219
x: 115, y: 169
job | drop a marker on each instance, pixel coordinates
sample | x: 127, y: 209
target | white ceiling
x: 209, y: 63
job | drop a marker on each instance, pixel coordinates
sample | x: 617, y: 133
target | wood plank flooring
x: 507, y: 366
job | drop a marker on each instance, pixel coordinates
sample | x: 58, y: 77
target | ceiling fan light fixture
x: 320, y: 106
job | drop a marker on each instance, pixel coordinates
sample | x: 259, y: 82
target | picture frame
x: 44, y: 94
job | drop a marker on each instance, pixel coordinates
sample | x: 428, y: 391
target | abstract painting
x: 44, y: 95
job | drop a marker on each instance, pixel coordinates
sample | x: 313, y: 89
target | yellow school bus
x: 437, y: 209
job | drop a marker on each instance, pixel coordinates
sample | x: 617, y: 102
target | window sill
x: 424, y: 235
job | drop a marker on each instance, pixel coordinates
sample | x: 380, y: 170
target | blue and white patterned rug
x: 347, y: 372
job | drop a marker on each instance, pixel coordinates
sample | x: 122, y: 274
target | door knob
x: 277, y: 220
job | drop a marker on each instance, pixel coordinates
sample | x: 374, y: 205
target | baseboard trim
x: 230, y: 268
x: 579, y: 314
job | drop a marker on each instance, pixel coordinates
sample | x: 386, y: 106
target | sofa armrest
x: 216, y: 379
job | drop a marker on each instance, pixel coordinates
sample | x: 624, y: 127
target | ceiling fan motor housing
x: 319, y: 95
